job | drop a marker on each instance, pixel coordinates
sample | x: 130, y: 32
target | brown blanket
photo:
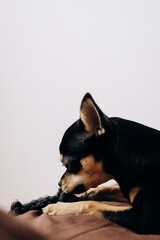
x: 31, y: 225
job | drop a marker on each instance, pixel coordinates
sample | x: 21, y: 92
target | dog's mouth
x: 79, y: 189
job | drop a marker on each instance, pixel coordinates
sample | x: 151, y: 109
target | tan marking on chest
x: 132, y: 194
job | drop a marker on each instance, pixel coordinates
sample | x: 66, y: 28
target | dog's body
x: 96, y: 149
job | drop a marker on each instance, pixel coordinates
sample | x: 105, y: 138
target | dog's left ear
x: 91, y: 116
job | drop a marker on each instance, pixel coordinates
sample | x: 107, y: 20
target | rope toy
x: 19, y: 208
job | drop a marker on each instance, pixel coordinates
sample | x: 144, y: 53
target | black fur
x: 19, y: 208
x: 130, y: 152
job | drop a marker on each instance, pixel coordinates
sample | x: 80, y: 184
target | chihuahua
x: 97, y: 148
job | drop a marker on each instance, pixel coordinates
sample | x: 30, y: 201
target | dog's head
x: 80, y: 149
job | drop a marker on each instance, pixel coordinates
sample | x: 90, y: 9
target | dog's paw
x: 51, y: 209
x: 76, y: 208
x: 59, y: 208
x: 91, y: 193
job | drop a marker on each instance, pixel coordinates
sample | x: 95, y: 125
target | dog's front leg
x: 105, y: 193
x: 81, y: 208
x: 126, y: 216
x: 75, y: 208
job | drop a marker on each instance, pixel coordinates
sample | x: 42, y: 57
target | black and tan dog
x: 97, y: 148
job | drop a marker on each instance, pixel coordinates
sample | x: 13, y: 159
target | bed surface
x: 65, y: 227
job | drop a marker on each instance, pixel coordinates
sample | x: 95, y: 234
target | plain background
x: 51, y: 54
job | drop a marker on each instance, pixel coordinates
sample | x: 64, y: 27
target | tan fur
x: 82, y: 208
x: 91, y: 175
x: 109, y: 193
x: 90, y: 117
x: 61, y: 157
x: 132, y: 194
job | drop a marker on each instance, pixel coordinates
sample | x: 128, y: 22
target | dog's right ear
x: 91, y: 116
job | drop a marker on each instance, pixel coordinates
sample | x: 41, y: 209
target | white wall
x: 51, y: 54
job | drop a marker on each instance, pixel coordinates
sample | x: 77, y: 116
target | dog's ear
x: 91, y: 116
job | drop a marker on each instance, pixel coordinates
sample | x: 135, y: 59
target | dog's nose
x: 60, y: 183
